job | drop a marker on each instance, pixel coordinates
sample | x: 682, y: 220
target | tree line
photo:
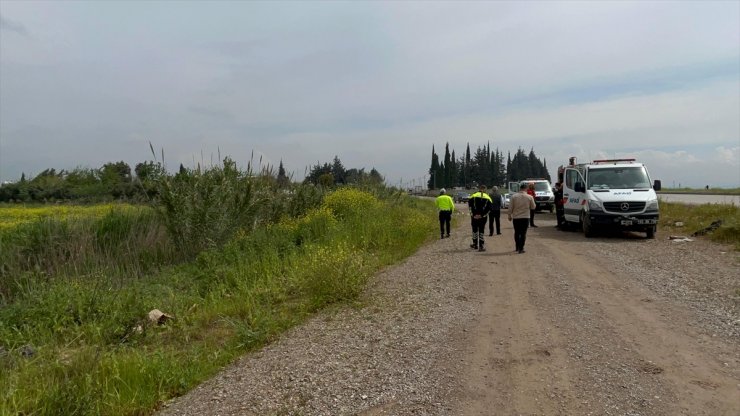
x: 484, y: 166
x: 335, y: 174
x: 117, y: 181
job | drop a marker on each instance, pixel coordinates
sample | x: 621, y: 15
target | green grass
x: 710, y: 191
x: 121, y: 243
x: 96, y: 354
x: 698, y: 217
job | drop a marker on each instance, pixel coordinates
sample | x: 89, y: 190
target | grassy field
x: 74, y: 334
x: 697, y: 217
x: 14, y: 215
x: 710, y: 191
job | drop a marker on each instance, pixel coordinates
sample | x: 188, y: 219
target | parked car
x: 507, y: 199
x: 462, y: 197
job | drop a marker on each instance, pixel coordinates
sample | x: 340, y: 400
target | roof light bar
x: 613, y: 160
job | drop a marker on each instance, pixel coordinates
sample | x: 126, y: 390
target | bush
x: 204, y: 209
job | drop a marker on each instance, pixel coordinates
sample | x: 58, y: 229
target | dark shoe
x: 447, y: 236
x: 482, y: 249
x: 534, y: 226
x: 498, y: 233
x: 490, y: 234
x: 521, y: 251
x: 473, y: 246
x: 441, y: 237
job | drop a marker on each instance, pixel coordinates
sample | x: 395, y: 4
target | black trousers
x: 494, y: 215
x: 520, y: 232
x: 444, y: 222
x: 531, y: 217
x: 560, y: 215
x: 479, y: 230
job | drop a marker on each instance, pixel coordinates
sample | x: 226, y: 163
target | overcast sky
x: 376, y: 83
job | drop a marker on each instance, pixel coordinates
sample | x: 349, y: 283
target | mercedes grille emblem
x: 625, y: 206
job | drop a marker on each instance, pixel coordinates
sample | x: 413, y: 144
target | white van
x: 543, y: 194
x: 615, y: 193
x: 544, y: 197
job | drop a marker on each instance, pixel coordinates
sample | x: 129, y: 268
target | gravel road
x: 614, y: 325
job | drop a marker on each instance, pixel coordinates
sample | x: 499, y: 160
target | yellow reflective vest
x: 445, y: 203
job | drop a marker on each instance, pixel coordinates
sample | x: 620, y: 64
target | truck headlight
x: 651, y: 205
x: 595, y: 205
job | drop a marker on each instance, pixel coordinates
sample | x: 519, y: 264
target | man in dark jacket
x: 495, y: 214
x: 480, y: 205
x: 559, y: 208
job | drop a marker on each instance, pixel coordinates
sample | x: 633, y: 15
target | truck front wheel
x: 588, y: 229
x: 650, y: 232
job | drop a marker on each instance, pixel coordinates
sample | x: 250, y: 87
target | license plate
x: 626, y: 222
x: 647, y: 221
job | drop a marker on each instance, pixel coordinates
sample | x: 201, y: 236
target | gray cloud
x: 15, y: 27
x: 375, y: 83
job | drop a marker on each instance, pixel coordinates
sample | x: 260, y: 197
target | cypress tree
x: 447, y: 174
x: 454, y: 173
x: 467, y: 167
x: 433, y: 170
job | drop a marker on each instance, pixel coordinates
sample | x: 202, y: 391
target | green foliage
x: 148, y: 175
x: 123, y: 242
x: 484, y: 166
x: 710, y: 191
x: 698, y: 217
x: 95, y: 352
x: 328, y: 175
x: 349, y: 202
x: 326, y: 180
x: 204, y: 208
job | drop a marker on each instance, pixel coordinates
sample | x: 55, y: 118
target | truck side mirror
x: 579, y: 187
x: 656, y: 184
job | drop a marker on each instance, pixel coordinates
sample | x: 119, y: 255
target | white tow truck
x: 613, y: 193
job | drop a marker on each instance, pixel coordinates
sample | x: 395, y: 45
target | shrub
x: 203, y: 209
x: 350, y: 202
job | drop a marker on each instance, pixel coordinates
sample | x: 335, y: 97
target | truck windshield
x: 542, y: 187
x: 618, y: 178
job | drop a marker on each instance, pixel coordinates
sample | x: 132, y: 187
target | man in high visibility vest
x: 446, y: 207
x: 480, y: 205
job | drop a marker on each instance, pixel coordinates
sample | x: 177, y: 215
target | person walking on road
x: 495, y: 214
x: 480, y: 205
x: 520, y: 206
x: 530, y: 192
x: 446, y: 207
